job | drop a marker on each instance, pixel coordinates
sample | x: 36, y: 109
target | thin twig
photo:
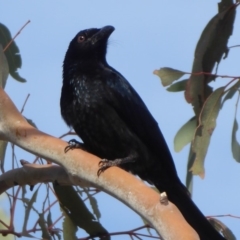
x: 234, y: 46
x: 211, y: 74
x: 25, y: 103
x: 224, y: 215
x: 131, y: 233
x: 4, y: 224
x: 68, y: 133
x: 16, y: 35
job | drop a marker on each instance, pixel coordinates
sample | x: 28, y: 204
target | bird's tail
x: 178, y: 195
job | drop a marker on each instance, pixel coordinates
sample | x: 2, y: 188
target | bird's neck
x: 86, y: 66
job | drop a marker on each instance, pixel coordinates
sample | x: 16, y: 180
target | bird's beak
x: 102, y: 34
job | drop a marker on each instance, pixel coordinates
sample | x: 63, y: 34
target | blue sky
x: 148, y: 35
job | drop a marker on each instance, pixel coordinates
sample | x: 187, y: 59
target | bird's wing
x: 132, y: 110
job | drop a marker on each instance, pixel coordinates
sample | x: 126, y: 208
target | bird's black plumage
x: 114, y: 123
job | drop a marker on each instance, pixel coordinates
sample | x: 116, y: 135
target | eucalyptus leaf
x: 4, y: 70
x: 168, y: 75
x: 185, y: 134
x: 235, y: 144
x: 231, y: 92
x: 78, y: 212
x: 29, y: 206
x: 222, y: 228
x: 178, y: 86
x: 207, y: 124
x: 12, y: 53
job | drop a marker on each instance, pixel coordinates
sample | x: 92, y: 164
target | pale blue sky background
x: 148, y: 35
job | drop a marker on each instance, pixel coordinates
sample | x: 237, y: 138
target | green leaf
x: 94, y: 205
x: 4, y: 218
x: 69, y: 228
x: 210, y: 49
x: 29, y: 206
x: 3, y: 147
x: 231, y: 92
x: 222, y: 228
x: 235, y: 144
x: 12, y: 53
x: 42, y: 224
x: 224, y: 4
x: 4, y: 70
x: 207, y: 123
x: 168, y: 75
x: 49, y: 219
x: 76, y: 209
x: 178, y: 86
x: 185, y: 134
x: 189, y: 176
x: 54, y: 231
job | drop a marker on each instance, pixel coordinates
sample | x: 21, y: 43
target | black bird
x: 115, y: 124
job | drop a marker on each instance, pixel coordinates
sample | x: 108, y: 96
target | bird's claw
x: 72, y: 144
x: 103, y: 165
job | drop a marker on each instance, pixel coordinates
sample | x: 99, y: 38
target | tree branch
x: 83, y: 166
x: 32, y: 174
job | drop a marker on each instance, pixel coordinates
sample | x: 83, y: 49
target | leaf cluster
x: 206, y: 101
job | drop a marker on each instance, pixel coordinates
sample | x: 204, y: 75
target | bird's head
x: 89, y: 44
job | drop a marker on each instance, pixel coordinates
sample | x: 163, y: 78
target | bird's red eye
x: 81, y: 38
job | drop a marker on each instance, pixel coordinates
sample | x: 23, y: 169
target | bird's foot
x: 72, y: 144
x: 105, y: 163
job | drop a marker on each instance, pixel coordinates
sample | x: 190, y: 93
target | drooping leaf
x: 207, y: 123
x: 94, y: 205
x: 4, y: 70
x: 69, y: 228
x: 4, y: 218
x: 224, y: 4
x: 54, y: 231
x: 3, y: 147
x: 76, y: 209
x: 42, y: 224
x: 210, y: 49
x: 49, y: 219
x: 178, y: 86
x: 12, y: 53
x: 185, y: 134
x: 29, y: 207
x: 231, y: 92
x: 222, y: 228
x: 189, y: 176
x: 235, y: 144
x: 168, y: 75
